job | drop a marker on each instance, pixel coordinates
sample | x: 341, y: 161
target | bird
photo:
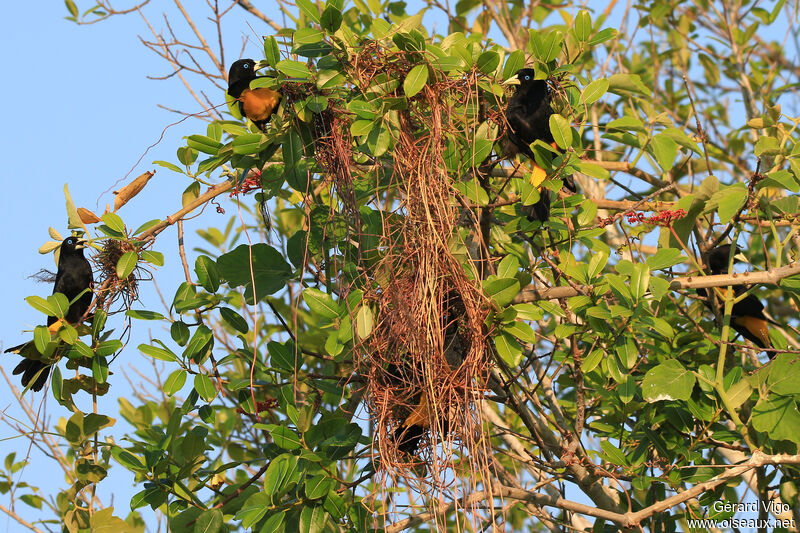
x: 73, y: 278
x: 414, y: 419
x: 747, y: 315
x: 256, y: 104
x: 528, y: 116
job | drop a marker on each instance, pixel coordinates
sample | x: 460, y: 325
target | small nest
x: 108, y: 287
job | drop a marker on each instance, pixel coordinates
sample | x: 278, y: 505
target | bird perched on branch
x: 747, y: 315
x: 256, y: 104
x: 73, y: 280
x: 528, y: 116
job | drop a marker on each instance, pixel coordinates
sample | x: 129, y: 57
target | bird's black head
x: 72, y: 246
x: 717, y: 259
x: 526, y: 75
x: 243, y: 70
x: 526, y: 82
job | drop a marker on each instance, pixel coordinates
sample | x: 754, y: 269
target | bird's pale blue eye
x: 246, y: 65
x: 527, y: 78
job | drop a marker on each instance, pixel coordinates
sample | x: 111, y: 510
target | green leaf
x: 522, y: 331
x: 254, y: 509
x: 321, y: 303
x: 278, y: 470
x: 514, y: 62
x: 508, y: 349
x: 318, y: 486
x: 126, y: 264
x: 143, y: 314
x: 613, y: 454
x: 207, y: 273
x: 68, y: 334
x: 72, y: 8
x: 59, y: 303
x: 561, y: 130
x: 205, y: 387
x: 271, y: 51
x: 778, y: 417
x: 312, y: 519
x: 668, y: 381
x: 623, y: 84
x: 415, y: 80
x: 204, y: 144
x: 582, y: 25
x: 307, y: 36
x: 782, y: 179
x: 273, y: 523
x: 270, y: 270
x: 640, y: 280
x: 594, y: 91
x: 114, y: 222
x: 603, y: 36
x: 40, y: 304
x: 501, y: 290
x: 179, y: 332
x: 234, y: 319
x: 508, y: 267
x: 365, y: 321
x: 665, y: 150
x: 285, y: 437
x: 208, y: 522
x: 248, y: 143
x: 488, y: 62
x: 293, y: 69
x: 99, y: 369
x: 594, y: 359
x: 766, y: 146
x: 162, y: 354
x: 731, y: 200
x: 199, y: 344
x: 282, y: 356
x: 331, y: 19
x: 665, y: 258
x: 309, y: 9
x: 127, y: 459
x: 147, y: 225
x: 153, y: 257
x: 171, y: 166
x: 174, y: 382
x: 546, y: 47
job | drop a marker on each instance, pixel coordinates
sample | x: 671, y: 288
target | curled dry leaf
x: 87, y: 216
x: 49, y: 246
x: 131, y: 190
x: 54, y: 234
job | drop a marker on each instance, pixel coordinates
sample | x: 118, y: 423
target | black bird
x: 528, y: 116
x: 255, y: 104
x: 747, y: 315
x: 415, y: 420
x: 73, y: 277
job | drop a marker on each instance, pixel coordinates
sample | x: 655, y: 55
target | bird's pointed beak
x: 741, y: 257
x: 81, y: 244
x: 513, y: 80
x: 261, y: 64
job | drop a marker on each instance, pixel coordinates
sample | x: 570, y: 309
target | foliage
x: 400, y: 244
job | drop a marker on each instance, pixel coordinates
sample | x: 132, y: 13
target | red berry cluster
x: 262, y: 406
x: 250, y: 183
x: 634, y: 217
x: 664, y: 218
